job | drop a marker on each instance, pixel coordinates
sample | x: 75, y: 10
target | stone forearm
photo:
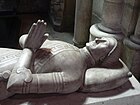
x: 25, y: 58
x: 56, y: 82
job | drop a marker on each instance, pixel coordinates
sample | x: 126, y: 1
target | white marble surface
x: 128, y: 94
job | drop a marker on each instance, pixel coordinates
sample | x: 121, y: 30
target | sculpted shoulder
x: 58, y: 46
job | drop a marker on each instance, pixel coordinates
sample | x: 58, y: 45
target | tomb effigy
x: 50, y: 66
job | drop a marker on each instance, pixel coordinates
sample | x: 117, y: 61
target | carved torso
x: 55, y: 56
x: 52, y: 57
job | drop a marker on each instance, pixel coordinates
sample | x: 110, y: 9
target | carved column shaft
x: 111, y: 21
x: 131, y: 22
x: 131, y: 28
x: 130, y: 16
x: 136, y: 37
x: 135, y: 66
x: 111, y: 17
x: 82, y: 22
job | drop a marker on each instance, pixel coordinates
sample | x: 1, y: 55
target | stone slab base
x: 128, y: 94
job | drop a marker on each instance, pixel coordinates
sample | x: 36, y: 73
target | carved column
x: 136, y: 37
x: 111, y: 21
x: 111, y: 17
x: 131, y: 24
x: 82, y: 22
x: 130, y: 16
x: 133, y: 44
x: 131, y: 29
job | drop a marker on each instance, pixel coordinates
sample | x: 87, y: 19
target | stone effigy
x: 45, y: 66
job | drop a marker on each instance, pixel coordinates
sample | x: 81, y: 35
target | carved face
x: 101, y: 47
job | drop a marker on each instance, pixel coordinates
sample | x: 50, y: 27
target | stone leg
x: 99, y: 79
x: 55, y: 82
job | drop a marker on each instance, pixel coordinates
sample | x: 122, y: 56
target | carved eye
x: 100, y: 41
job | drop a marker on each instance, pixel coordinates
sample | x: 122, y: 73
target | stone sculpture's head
x: 101, y: 48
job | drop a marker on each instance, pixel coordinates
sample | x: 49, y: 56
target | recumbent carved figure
x: 45, y: 66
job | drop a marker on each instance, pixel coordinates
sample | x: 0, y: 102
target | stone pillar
x: 111, y: 21
x: 111, y: 16
x: 136, y: 37
x: 82, y: 22
x: 130, y: 16
x: 133, y: 50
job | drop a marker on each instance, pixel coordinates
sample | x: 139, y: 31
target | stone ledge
x: 128, y: 94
